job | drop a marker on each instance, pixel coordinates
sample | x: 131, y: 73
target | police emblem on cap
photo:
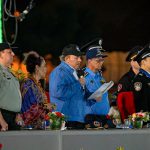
x: 98, y: 52
x: 137, y: 86
x: 77, y: 48
x: 119, y: 87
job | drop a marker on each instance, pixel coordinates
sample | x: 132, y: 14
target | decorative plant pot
x: 137, y: 124
x: 56, y: 124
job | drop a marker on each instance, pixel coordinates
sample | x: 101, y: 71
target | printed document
x: 99, y: 92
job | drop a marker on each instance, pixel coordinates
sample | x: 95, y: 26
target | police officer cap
x: 94, y: 52
x: 4, y: 46
x: 144, y: 53
x: 133, y: 53
x: 71, y: 49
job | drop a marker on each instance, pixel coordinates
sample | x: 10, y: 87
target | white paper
x: 99, y: 92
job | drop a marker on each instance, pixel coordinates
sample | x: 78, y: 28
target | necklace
x: 38, y: 85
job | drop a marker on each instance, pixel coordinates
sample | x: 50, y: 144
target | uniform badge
x: 119, y: 87
x: 102, y: 81
x: 137, y: 86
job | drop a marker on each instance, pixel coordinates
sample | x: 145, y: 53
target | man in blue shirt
x: 66, y: 91
x: 94, y: 79
x: 96, y: 114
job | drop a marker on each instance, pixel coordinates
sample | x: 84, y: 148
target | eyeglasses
x: 98, y: 60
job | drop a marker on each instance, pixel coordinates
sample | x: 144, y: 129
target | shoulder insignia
x: 140, y: 74
x: 119, y: 87
x: 137, y: 86
x: 85, y: 73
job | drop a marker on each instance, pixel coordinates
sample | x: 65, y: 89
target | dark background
x: 53, y: 24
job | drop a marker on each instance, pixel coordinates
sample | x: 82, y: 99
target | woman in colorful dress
x: 34, y: 100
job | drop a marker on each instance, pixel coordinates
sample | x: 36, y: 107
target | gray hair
x: 62, y: 58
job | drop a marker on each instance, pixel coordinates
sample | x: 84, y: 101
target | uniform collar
x: 70, y: 69
x: 145, y: 72
x: 4, y: 68
x: 67, y: 66
x: 91, y: 72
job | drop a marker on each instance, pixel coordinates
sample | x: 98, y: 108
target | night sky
x: 53, y: 24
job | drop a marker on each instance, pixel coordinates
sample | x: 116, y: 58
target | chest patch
x: 119, y: 87
x: 137, y: 86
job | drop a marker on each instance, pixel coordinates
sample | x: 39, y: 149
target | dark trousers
x: 10, y: 117
x: 75, y: 125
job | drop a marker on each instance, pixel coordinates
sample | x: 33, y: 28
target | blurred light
x: 1, y: 37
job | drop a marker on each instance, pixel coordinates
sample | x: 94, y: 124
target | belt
x: 7, y: 111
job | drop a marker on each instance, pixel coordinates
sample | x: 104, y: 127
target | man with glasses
x: 94, y: 79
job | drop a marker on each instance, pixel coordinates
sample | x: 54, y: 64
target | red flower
x: 59, y: 114
x: 47, y: 117
x: 108, y: 117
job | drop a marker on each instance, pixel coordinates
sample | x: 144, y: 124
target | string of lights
x: 10, y: 11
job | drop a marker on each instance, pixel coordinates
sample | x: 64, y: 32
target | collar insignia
x: 119, y: 87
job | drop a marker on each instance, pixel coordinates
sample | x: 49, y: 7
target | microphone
x: 82, y: 74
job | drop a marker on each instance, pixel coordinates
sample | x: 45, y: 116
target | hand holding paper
x: 99, y: 92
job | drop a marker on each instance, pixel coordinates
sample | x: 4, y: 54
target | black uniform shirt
x: 125, y: 82
x: 141, y: 90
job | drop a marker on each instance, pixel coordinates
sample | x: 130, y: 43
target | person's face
x: 96, y: 63
x: 42, y: 70
x: 146, y: 64
x: 135, y: 65
x: 7, y: 57
x: 73, y: 61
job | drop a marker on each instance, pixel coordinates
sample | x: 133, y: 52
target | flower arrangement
x: 140, y: 116
x: 56, y: 119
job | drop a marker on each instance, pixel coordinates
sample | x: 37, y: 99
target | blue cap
x: 94, y: 52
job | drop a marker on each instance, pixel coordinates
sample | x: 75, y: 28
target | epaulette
x: 140, y: 74
x: 85, y: 73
